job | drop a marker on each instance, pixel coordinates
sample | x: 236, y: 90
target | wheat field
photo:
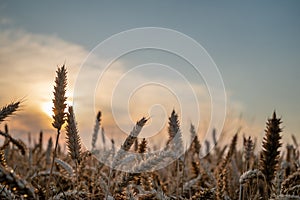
x: 256, y: 171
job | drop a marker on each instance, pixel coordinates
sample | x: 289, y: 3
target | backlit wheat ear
x: 8, y: 110
x: 142, y: 146
x: 73, y: 139
x: 174, y: 131
x: 133, y: 134
x: 195, y: 144
x: 60, y: 98
x: 96, y: 130
x: 270, y: 153
x: 248, y: 152
x: 129, y: 141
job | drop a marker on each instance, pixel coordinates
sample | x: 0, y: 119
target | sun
x: 47, y: 108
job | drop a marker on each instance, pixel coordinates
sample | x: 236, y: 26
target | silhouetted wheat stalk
x: 270, y: 153
x: 73, y: 140
x: 59, y: 107
x: 96, y: 130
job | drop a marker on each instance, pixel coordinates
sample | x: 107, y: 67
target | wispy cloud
x: 28, y: 63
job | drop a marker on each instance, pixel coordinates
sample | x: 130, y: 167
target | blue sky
x: 255, y: 44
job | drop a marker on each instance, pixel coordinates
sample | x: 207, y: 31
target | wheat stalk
x: 195, y: 144
x: 59, y: 107
x: 73, y: 140
x: 72, y: 136
x: 270, y: 153
x: 60, y: 98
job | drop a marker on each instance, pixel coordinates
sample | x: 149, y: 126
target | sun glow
x: 47, y: 107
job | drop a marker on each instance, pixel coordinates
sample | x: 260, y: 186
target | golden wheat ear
x: 142, y: 146
x: 8, y: 110
x: 60, y: 98
x: 96, y: 130
x: 73, y: 138
x: 129, y: 141
x: 270, y: 154
x: 248, y: 152
x: 195, y: 143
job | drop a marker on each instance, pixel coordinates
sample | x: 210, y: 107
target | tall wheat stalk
x: 59, y: 107
x: 270, y: 153
x: 73, y: 140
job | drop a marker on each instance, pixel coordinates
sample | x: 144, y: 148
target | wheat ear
x: 8, y: 110
x: 60, y: 98
x: 129, y: 141
x: 96, y: 130
x: 248, y: 152
x: 195, y: 144
x: 175, y: 137
x: 73, y: 139
x: 270, y: 153
x: 125, y: 147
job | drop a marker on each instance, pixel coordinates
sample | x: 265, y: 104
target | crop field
x: 43, y: 171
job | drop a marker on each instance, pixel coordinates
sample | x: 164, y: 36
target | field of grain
x: 256, y: 171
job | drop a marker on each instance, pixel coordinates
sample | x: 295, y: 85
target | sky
x: 255, y: 46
